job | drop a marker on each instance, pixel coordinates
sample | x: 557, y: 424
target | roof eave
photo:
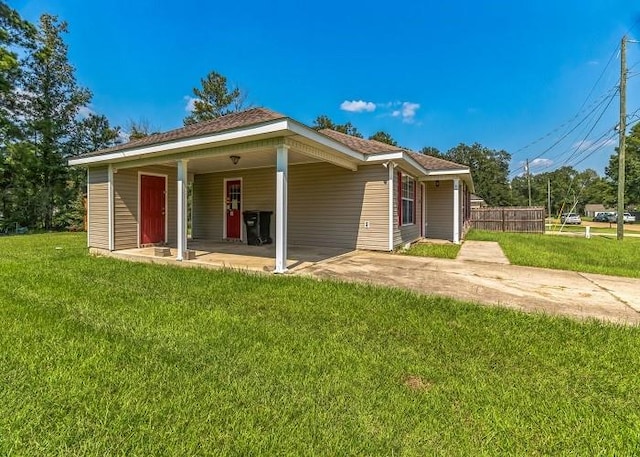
x: 183, y: 144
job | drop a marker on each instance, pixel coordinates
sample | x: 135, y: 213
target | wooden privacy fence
x: 509, y: 219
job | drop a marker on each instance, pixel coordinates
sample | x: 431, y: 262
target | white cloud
x: 591, y: 145
x: 84, y: 112
x: 407, y: 112
x: 190, y: 106
x: 538, y: 163
x: 357, y: 106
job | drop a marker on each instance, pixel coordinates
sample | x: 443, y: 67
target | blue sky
x: 431, y: 73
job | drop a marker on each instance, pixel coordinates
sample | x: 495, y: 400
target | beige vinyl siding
x: 440, y: 210
x: 406, y: 233
x: 328, y: 205
x: 98, y: 207
x: 126, y: 205
x: 125, y: 202
x: 258, y: 193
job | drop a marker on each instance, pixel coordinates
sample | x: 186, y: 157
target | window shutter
x: 399, y: 199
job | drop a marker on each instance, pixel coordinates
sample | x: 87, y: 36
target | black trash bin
x: 258, y: 224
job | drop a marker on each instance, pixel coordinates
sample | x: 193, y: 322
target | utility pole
x: 622, y: 137
x: 529, y: 181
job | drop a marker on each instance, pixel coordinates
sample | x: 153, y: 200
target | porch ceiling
x: 252, y: 154
x: 254, y: 159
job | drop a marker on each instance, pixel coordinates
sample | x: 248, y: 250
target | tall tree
x: 15, y: 33
x: 215, y: 99
x: 383, y: 137
x: 632, y: 170
x: 93, y: 133
x: 489, y: 170
x: 324, y: 122
x: 52, y: 99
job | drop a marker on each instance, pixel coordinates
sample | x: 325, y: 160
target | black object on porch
x: 258, y: 224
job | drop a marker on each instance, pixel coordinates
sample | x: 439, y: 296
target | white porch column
x: 391, y: 185
x: 182, y: 208
x: 456, y: 211
x: 282, y: 170
x: 110, y: 209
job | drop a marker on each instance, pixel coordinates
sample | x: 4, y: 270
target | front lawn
x: 103, y: 357
x: 599, y: 254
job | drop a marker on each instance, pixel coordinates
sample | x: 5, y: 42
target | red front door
x: 152, y: 207
x: 232, y: 208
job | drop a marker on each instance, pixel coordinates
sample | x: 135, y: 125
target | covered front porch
x: 238, y: 256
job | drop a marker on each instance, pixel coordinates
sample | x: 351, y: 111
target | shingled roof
x: 257, y: 116
x: 231, y: 121
x: 436, y: 163
x: 376, y: 147
x: 360, y: 144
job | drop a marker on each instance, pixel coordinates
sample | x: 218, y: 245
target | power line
x: 590, y: 130
x: 597, y: 104
x: 580, y: 110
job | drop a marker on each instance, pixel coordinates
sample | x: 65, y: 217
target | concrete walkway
x: 482, y: 251
x: 578, y: 295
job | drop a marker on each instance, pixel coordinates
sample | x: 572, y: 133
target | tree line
x: 45, y: 119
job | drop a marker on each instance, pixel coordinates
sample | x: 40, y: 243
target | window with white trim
x: 408, y: 200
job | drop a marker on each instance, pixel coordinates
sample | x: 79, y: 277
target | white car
x: 571, y: 218
x: 627, y: 218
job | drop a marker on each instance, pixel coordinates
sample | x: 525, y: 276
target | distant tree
x: 324, y: 122
x: 94, y: 133
x: 632, y: 171
x: 215, y: 99
x: 431, y: 151
x: 570, y: 189
x: 140, y: 129
x: 383, y: 137
x: 489, y: 170
x: 52, y: 100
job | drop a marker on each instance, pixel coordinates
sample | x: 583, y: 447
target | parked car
x: 627, y: 218
x: 571, y: 218
x: 602, y: 217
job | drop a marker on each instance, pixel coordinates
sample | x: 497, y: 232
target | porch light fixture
x: 437, y: 183
x: 235, y: 159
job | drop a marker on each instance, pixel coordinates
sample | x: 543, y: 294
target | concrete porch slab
x: 238, y: 256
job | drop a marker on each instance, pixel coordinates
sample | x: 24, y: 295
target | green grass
x: 598, y: 254
x: 104, y: 357
x: 443, y: 251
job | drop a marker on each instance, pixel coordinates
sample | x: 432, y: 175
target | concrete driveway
x: 578, y: 295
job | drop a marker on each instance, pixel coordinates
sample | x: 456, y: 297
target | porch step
x: 161, y: 251
x: 189, y: 254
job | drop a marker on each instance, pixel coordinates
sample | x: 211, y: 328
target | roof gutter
x: 184, y: 144
x: 398, y: 156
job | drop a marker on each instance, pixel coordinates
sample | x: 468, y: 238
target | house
x: 592, y: 209
x: 325, y: 188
